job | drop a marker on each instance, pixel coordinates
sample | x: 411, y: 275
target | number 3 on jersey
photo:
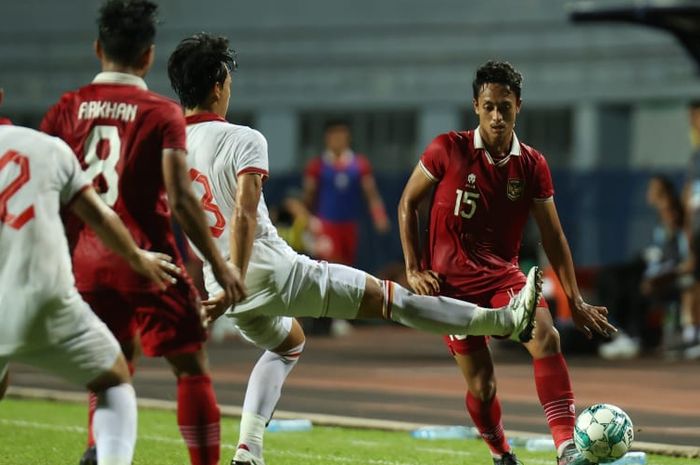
x: 102, y: 150
x: 469, y: 200
x: 207, y: 200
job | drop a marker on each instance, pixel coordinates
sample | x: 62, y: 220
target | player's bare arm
x: 190, y: 216
x: 588, y: 318
x: 243, y: 224
x: 424, y: 282
x: 375, y: 204
x: 158, y: 267
x: 310, y: 190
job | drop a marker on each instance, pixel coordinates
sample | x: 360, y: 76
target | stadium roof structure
x: 679, y: 17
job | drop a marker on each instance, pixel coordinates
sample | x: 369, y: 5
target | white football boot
x: 524, y: 304
x: 244, y: 457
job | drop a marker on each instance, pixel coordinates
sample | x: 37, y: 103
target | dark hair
x: 336, y: 123
x: 497, y: 72
x: 197, y: 64
x: 694, y: 104
x: 674, y: 200
x: 126, y: 29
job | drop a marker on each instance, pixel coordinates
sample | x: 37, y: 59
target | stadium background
x: 606, y: 104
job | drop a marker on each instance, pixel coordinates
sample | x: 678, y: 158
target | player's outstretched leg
x: 524, y: 306
x: 444, y: 315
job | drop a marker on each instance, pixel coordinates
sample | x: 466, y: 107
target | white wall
x: 660, y: 135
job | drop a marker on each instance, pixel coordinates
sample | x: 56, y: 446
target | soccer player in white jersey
x: 45, y: 322
x: 228, y: 164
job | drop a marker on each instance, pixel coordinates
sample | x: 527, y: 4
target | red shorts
x: 464, y: 345
x: 168, y: 322
x: 342, y: 238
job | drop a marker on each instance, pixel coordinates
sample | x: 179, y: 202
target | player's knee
x: 188, y: 364
x: 483, y: 389
x: 293, y: 354
x: 547, y: 340
x: 116, y: 375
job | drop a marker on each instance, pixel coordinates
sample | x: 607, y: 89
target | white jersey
x: 218, y: 152
x: 280, y: 282
x: 38, y: 174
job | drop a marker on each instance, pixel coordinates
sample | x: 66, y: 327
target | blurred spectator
x: 334, y: 184
x: 644, y: 290
x: 297, y: 226
x: 691, y: 197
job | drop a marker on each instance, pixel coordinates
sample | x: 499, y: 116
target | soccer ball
x: 603, y: 433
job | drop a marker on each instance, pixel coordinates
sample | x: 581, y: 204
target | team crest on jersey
x: 515, y: 188
x: 471, y: 179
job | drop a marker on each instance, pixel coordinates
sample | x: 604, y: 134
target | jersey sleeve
x: 364, y: 165
x: 543, y: 185
x: 435, y: 158
x: 252, y: 155
x: 313, y: 168
x: 50, y: 123
x: 69, y: 176
x: 174, y: 128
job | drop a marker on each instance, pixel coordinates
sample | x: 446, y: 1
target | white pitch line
x: 434, y: 450
x: 329, y: 420
x: 167, y: 440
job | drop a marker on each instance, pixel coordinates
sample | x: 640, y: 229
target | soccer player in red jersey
x: 486, y: 183
x: 131, y: 143
x: 334, y: 184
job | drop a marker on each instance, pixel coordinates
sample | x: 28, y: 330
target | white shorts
x: 283, y: 283
x: 66, y: 339
x: 263, y: 331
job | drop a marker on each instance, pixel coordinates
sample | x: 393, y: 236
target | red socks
x: 197, y: 415
x: 199, y: 419
x: 556, y: 396
x: 92, y: 405
x: 487, y: 418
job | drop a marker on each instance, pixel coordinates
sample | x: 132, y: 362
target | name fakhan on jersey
x: 112, y: 110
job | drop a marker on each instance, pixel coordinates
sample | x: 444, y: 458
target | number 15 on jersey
x: 465, y: 204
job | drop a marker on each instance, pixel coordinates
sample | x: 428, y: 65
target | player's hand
x: 233, y: 288
x: 213, y: 308
x: 158, y: 267
x: 383, y: 227
x: 425, y: 282
x: 590, y: 318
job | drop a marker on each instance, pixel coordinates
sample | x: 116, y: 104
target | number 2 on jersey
x: 102, y: 150
x: 19, y: 220
x: 207, y: 200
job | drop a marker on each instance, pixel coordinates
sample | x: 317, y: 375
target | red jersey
x: 479, y: 210
x: 118, y: 130
x: 339, y: 182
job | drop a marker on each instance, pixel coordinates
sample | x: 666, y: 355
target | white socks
x: 252, y: 431
x: 443, y: 315
x: 263, y: 393
x: 114, y: 424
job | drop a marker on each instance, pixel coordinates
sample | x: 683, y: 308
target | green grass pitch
x: 50, y: 433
